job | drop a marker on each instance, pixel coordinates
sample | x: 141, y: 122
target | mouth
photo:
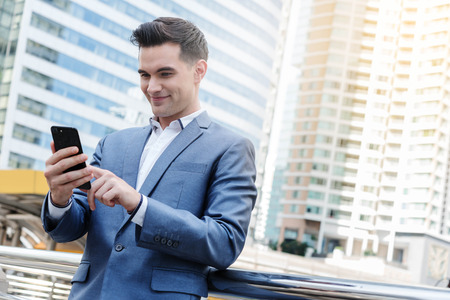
x: 158, y: 98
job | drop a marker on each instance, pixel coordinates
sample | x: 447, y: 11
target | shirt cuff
x: 55, y: 211
x: 138, y: 215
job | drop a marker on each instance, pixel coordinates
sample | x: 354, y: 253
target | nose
x: 153, y: 86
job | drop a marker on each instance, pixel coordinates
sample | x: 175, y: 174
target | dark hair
x: 173, y: 30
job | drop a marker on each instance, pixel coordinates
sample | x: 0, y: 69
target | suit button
x: 157, y: 238
x: 175, y: 244
x: 169, y: 243
x: 119, y: 247
x: 163, y: 241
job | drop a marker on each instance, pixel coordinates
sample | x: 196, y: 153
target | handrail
x: 223, y: 284
x: 257, y: 285
x: 66, y: 258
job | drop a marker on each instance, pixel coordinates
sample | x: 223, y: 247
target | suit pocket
x: 82, y: 273
x: 179, y: 281
x: 188, y: 167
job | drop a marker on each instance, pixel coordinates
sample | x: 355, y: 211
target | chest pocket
x: 183, y: 186
x: 187, y: 167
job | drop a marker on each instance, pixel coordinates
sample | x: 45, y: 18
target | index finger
x: 98, y: 172
x: 60, y: 154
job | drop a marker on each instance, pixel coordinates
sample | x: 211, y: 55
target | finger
x: 61, y: 154
x: 102, y: 192
x: 82, y: 181
x: 63, y: 188
x: 98, y: 172
x: 52, y: 146
x: 58, y: 170
x: 98, y: 183
x: 91, y: 199
x: 111, y: 197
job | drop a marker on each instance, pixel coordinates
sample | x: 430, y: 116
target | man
x: 168, y: 200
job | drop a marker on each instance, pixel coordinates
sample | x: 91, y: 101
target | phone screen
x: 64, y: 137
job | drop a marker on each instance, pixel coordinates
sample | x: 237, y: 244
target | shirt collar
x: 180, y: 123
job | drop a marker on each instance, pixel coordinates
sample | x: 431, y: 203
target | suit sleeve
x: 75, y: 222
x: 217, y: 238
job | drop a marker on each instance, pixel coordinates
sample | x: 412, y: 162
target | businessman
x: 168, y: 200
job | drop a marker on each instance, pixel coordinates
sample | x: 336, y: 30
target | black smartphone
x: 64, y: 137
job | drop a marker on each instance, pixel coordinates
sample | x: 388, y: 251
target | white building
x: 368, y: 162
x: 71, y: 63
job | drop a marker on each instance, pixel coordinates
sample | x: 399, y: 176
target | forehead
x: 167, y: 54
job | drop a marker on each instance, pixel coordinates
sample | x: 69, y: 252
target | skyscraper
x: 368, y: 159
x: 71, y: 63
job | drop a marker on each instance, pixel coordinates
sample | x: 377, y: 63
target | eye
x: 143, y: 75
x: 166, y: 74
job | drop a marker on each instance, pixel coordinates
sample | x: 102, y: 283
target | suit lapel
x: 132, y: 160
x: 181, y: 142
x: 133, y: 154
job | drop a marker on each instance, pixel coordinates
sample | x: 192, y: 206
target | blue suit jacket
x: 201, y: 192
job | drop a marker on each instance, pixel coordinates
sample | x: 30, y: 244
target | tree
x: 294, y: 247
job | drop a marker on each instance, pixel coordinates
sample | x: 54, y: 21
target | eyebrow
x: 163, y: 69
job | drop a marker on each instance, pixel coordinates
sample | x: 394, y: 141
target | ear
x: 200, y: 70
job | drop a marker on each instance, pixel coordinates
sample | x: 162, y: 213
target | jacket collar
x: 133, y: 154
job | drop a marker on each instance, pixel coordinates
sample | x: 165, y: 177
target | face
x: 169, y: 84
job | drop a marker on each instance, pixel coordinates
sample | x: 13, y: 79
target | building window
x: 337, y: 170
x: 320, y: 167
x: 293, y: 208
x: 306, y: 125
x: 29, y: 135
x: 327, y: 112
x: 17, y: 161
x: 340, y: 200
x: 338, y: 214
x: 321, y: 153
x: 326, y: 98
x: 290, y: 234
x: 341, y: 185
x: 313, y: 209
x: 364, y: 218
x: 316, y: 195
x: 325, y: 125
x: 323, y: 139
x: 318, y: 181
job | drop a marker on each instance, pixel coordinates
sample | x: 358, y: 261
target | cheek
x: 143, y: 86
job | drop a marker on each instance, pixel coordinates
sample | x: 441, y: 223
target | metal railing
x: 41, y: 274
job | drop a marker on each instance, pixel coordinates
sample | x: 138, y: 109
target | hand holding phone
x: 64, y: 137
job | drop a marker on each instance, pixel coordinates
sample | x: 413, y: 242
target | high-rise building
x: 368, y: 152
x: 71, y: 63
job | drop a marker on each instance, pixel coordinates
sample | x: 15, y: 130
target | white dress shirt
x: 158, y: 142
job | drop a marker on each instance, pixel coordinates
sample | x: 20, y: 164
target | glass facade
x: 79, y: 67
x: 83, y: 41
x: 10, y: 17
x: 77, y: 54
x: 62, y: 117
x: 71, y: 92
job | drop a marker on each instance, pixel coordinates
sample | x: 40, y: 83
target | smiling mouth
x: 158, y: 98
